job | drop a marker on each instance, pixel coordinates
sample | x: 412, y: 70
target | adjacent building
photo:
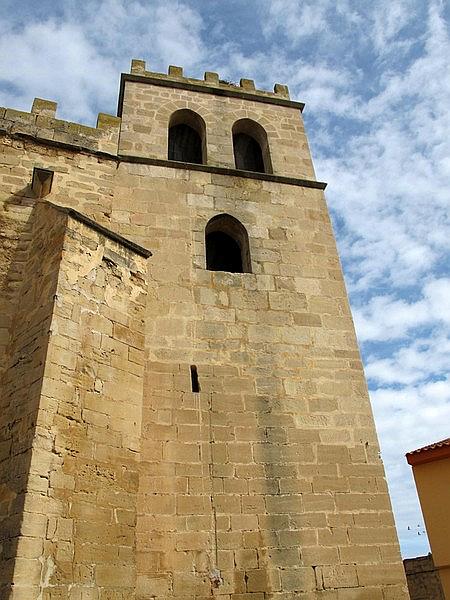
x: 431, y: 469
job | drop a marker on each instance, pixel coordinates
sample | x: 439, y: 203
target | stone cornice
x: 122, y: 158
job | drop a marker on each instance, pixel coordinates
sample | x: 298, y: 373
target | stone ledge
x: 157, y: 162
x: 204, y: 88
x: 102, y: 230
x: 174, y: 164
x: 72, y: 147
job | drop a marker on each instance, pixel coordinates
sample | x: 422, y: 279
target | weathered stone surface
x: 423, y: 578
x: 116, y: 479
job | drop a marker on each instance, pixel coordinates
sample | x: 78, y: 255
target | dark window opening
x: 185, y: 144
x: 227, y: 246
x: 194, y: 379
x: 41, y: 184
x: 222, y: 253
x: 251, y: 147
x: 247, y: 153
x: 187, y: 137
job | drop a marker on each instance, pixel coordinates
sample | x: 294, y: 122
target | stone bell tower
x: 198, y: 424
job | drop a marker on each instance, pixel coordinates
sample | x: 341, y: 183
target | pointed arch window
x: 187, y: 137
x: 227, y: 245
x: 251, y: 148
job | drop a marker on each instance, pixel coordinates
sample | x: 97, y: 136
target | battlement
x: 42, y: 123
x: 210, y: 84
x: 138, y: 67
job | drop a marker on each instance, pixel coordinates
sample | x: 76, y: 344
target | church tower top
x: 210, y: 84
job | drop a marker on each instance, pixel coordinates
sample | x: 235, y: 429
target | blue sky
x: 375, y: 77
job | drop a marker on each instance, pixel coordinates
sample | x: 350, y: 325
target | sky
x: 375, y: 77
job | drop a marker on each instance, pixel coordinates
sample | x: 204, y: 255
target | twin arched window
x: 227, y: 246
x: 226, y: 239
x: 187, y: 142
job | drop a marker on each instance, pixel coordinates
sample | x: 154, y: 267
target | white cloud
x: 389, y: 19
x: 409, y: 418
x: 387, y: 318
x: 123, y: 29
x: 437, y: 293
x: 55, y: 61
x: 76, y: 58
x: 384, y: 318
x: 415, y: 362
x: 296, y: 20
x: 343, y: 24
x: 175, y: 35
x: 390, y: 184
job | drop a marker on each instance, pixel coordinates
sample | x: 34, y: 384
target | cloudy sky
x: 375, y: 77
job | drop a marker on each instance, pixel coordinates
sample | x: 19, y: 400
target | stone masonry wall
x: 20, y: 389
x: 76, y: 538
x: 42, y: 123
x: 84, y: 183
x: 147, y: 110
x: 265, y: 484
x: 95, y: 371
x: 423, y: 578
x: 271, y: 473
x: 15, y: 211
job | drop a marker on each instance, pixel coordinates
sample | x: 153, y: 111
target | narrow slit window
x: 194, y: 379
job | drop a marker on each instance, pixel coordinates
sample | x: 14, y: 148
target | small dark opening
x: 185, y: 144
x: 194, y: 379
x: 247, y: 153
x: 223, y: 253
x: 41, y: 184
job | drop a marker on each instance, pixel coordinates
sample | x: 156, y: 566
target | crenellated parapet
x: 138, y: 67
x: 42, y: 123
x: 176, y: 76
x: 150, y: 103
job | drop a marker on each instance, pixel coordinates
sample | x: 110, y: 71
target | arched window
x: 251, y: 148
x: 227, y: 247
x: 187, y: 137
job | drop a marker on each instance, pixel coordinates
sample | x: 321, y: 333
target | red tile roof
x: 429, y: 453
x: 445, y: 442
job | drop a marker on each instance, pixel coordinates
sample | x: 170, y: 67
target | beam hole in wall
x: 187, y: 137
x: 227, y: 245
x: 41, y: 183
x: 194, y: 379
x: 251, y: 148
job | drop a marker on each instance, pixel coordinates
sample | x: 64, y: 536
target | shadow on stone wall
x: 27, y: 297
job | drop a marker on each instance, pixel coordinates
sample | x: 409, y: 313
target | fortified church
x: 183, y: 409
